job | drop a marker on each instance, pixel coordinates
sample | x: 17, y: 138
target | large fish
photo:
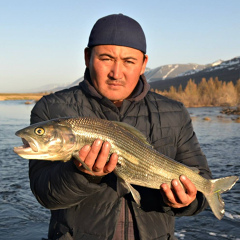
x: 138, y: 162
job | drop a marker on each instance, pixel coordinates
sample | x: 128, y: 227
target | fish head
x: 49, y: 140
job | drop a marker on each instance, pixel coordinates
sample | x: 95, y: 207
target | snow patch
x: 217, y: 63
x: 164, y: 77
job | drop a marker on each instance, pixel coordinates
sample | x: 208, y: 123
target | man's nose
x: 116, y: 71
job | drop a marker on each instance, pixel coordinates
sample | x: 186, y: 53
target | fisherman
x: 87, y: 206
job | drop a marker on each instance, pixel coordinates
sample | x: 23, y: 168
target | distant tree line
x: 207, y: 93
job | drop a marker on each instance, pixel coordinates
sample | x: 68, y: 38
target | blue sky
x: 42, y: 42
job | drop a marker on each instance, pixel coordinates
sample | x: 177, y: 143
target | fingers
x: 190, y: 188
x: 96, y: 157
x: 90, y: 153
x: 177, y: 196
x: 110, y: 166
x: 84, y: 152
x: 168, y: 196
x: 101, y: 157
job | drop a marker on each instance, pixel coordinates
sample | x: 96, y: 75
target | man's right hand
x: 95, y: 157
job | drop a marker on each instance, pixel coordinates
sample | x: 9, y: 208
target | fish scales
x: 130, y: 147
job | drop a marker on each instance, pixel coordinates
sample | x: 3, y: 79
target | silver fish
x: 138, y: 162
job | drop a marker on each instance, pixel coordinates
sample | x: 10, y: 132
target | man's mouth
x: 115, y: 84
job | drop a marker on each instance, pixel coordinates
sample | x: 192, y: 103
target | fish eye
x: 39, y: 131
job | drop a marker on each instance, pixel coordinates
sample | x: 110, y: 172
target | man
x: 84, y: 206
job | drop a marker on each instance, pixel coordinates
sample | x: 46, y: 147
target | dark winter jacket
x: 82, y: 209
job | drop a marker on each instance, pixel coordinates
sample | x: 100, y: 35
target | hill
x: 224, y: 70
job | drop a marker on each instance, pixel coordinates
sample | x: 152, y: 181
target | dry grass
x: 20, y: 96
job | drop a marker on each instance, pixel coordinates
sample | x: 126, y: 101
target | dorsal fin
x: 133, y: 131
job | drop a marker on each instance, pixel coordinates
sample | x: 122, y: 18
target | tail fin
x: 214, y: 198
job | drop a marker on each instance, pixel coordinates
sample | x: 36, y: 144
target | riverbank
x: 21, y: 96
x: 33, y: 97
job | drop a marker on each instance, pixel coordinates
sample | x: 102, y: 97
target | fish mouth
x: 29, y: 146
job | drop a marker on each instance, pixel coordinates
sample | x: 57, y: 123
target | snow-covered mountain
x: 180, y: 70
x: 229, y: 64
x: 171, y: 71
x: 225, y: 71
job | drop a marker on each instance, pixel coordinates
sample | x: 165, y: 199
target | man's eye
x: 129, y: 62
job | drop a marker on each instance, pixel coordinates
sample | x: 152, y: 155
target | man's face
x: 115, y: 70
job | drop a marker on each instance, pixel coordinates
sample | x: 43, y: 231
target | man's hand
x: 176, y: 196
x: 95, y: 157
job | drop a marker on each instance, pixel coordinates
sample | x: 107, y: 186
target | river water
x: 23, y: 218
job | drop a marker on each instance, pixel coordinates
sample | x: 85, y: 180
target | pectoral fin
x: 135, y: 194
x: 124, y: 187
x: 76, y: 156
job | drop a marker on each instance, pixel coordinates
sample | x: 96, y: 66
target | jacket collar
x: 138, y: 94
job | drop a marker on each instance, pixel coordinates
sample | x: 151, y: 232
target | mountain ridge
x: 228, y: 70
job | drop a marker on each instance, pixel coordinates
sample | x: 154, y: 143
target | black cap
x: 118, y: 29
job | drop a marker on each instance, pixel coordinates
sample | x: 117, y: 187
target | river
x: 23, y: 218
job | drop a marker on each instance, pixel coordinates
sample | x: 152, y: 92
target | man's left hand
x: 177, y: 196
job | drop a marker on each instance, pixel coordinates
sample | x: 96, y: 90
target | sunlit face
x: 115, y: 70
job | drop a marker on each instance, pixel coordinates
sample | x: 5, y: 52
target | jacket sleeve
x: 190, y: 154
x: 57, y: 184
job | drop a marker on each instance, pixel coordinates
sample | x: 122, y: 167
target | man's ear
x: 144, y: 64
x: 87, y: 56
